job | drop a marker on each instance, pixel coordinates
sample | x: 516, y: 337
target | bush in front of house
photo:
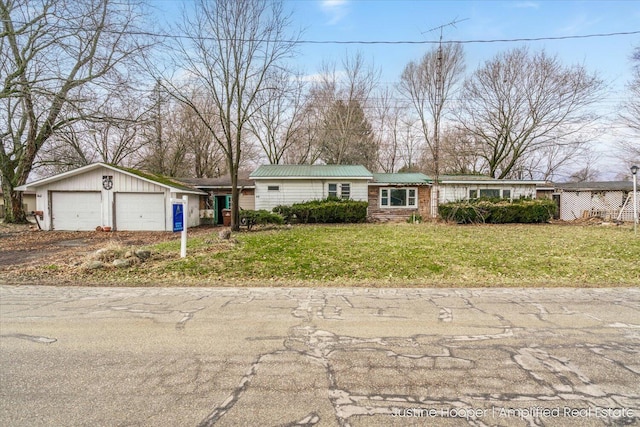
x: 250, y: 218
x: 330, y: 210
x: 523, y: 211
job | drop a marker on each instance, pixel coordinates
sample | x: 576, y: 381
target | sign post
x: 179, y: 210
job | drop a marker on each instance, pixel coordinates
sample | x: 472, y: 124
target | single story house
x: 397, y: 196
x: 288, y: 184
x: 218, y: 196
x: 102, y: 195
x: 612, y: 200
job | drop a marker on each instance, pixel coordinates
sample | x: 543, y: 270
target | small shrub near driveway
x: 249, y: 218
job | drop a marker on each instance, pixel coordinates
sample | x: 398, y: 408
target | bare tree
x: 556, y: 162
x: 518, y: 103
x: 304, y: 147
x: 229, y: 49
x: 387, y: 122
x: 458, y: 152
x: 50, y: 50
x: 339, y: 99
x: 279, y: 122
x: 165, y: 148
x: 629, y: 148
x: 429, y: 85
x: 114, y: 137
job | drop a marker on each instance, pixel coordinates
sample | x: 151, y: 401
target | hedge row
x: 524, y: 211
x: 330, y: 210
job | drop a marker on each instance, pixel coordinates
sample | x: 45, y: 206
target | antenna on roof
x: 436, y: 125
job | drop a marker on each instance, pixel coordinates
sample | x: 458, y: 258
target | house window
x: 340, y: 190
x: 506, y: 194
x: 489, y: 192
x: 473, y: 194
x: 333, y: 190
x: 345, y: 191
x: 273, y: 188
x: 398, y: 198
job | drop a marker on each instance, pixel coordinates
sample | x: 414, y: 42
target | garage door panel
x: 76, y: 211
x: 140, y: 211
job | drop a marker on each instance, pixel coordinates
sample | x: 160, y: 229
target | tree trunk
x: 235, y: 202
x: 13, y: 212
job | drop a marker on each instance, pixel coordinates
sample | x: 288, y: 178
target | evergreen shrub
x: 326, y: 211
x: 250, y: 218
x: 498, y: 211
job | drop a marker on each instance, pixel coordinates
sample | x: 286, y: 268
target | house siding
x: 292, y: 191
x: 456, y: 192
x: 377, y: 213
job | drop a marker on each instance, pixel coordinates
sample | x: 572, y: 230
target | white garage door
x: 140, y: 211
x: 76, y: 211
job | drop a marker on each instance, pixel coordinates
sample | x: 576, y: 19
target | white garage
x: 102, y: 195
x: 139, y: 211
x: 75, y: 211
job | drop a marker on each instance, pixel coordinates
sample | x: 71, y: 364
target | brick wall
x: 398, y: 214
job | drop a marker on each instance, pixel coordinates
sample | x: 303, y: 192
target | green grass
x: 409, y: 255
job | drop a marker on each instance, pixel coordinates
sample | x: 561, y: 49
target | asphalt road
x: 319, y: 357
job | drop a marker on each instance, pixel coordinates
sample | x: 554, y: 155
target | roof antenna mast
x: 437, y: 114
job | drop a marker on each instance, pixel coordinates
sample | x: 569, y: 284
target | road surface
x: 78, y: 356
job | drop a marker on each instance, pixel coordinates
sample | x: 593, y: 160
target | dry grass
x: 391, y: 255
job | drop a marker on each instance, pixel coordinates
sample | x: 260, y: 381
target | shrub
x: 525, y: 211
x: 250, y: 218
x: 414, y: 218
x: 330, y: 210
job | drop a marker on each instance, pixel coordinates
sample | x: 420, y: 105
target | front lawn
x: 399, y: 255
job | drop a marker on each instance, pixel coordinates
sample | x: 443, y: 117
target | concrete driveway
x: 319, y: 357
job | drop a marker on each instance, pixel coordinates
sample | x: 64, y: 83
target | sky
x: 474, y: 22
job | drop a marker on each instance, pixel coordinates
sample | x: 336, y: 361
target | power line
x: 522, y: 39
x: 353, y: 42
x: 397, y: 42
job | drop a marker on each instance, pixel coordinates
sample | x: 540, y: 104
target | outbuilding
x: 610, y: 200
x: 103, y: 195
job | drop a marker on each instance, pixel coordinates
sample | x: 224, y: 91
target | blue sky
x: 412, y: 20
x: 385, y: 20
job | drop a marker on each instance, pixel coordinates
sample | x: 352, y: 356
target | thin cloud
x: 526, y: 5
x: 579, y: 24
x: 335, y: 10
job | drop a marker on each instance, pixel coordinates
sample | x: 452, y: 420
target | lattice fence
x: 608, y: 205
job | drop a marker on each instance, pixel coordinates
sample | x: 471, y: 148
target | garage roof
x: 160, y: 180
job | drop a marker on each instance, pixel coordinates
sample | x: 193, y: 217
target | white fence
x: 608, y: 205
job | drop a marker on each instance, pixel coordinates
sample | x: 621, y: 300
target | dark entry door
x: 220, y: 202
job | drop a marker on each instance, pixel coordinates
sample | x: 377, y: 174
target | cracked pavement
x: 319, y: 357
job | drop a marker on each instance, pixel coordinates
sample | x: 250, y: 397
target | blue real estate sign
x: 178, y: 217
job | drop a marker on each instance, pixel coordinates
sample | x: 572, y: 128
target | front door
x: 220, y: 202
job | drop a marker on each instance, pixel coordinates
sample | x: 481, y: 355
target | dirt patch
x: 22, y: 245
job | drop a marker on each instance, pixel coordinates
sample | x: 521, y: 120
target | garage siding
x: 123, y: 201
